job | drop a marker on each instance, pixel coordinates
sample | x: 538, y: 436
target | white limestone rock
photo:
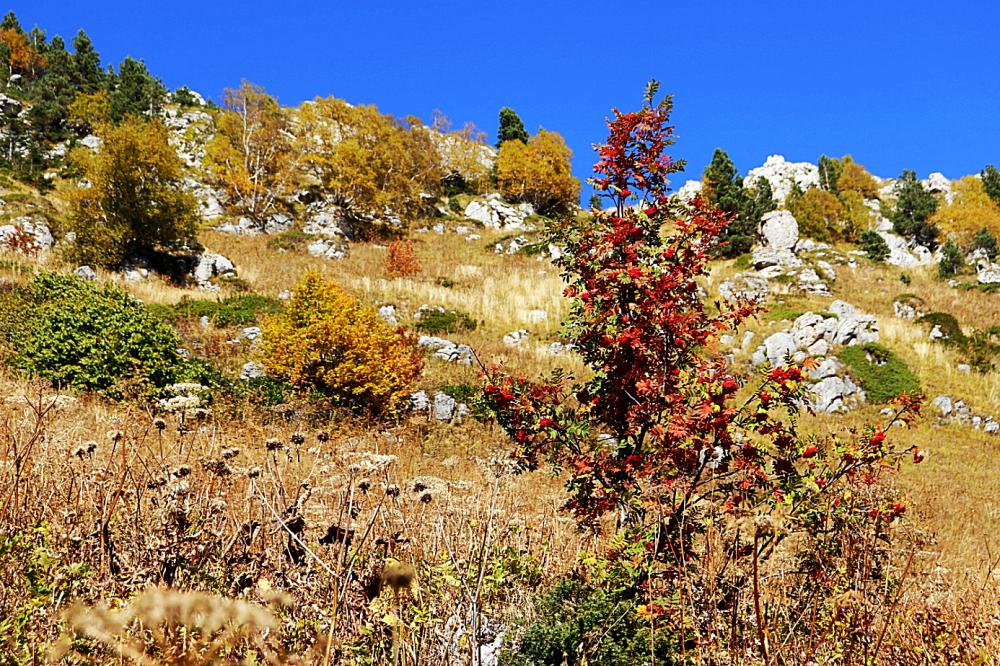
x: 783, y: 176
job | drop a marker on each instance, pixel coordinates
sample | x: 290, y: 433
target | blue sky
x: 897, y: 84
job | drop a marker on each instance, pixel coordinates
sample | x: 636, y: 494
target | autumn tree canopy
x: 135, y: 202
x: 251, y: 154
x: 538, y: 172
x: 374, y: 166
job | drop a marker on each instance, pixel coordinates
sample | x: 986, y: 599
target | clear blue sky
x: 898, y: 84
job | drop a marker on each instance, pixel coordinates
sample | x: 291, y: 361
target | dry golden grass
x: 955, y: 515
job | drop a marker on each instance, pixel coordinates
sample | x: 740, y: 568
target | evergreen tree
x: 951, y: 260
x: 511, y: 127
x: 874, y: 245
x: 830, y: 169
x: 723, y: 186
x: 136, y: 92
x: 10, y: 22
x: 991, y: 182
x: 53, y: 92
x: 87, y: 62
x: 914, y: 206
x: 985, y: 240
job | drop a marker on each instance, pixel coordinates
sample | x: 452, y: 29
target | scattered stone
x: 495, y: 214
x: 251, y: 370
x: 85, y: 273
x: 446, y: 350
x: 515, y: 338
x: 327, y: 248
x: 388, y: 314
x: 746, y: 286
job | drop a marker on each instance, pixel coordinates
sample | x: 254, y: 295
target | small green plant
x: 743, y: 262
x: 882, y: 374
x: 905, y: 279
x: 240, y: 310
x: 573, y: 626
x: 292, y: 240
x: 874, y: 246
x: 436, y: 321
x: 946, y: 323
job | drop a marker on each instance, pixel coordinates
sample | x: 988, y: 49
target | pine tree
x: 723, y: 186
x: 914, y: 206
x: 53, y: 92
x: 511, y: 127
x: 991, y: 182
x: 985, y: 240
x: 10, y: 22
x: 89, y: 75
x: 951, y: 260
x: 136, y: 91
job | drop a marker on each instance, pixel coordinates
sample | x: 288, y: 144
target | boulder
x: 251, y: 370
x: 446, y: 350
x: 388, y: 314
x: 744, y: 285
x: 835, y: 394
x: 210, y: 265
x: 26, y: 235
x: 327, y: 248
x: 779, y: 230
x: 515, y: 338
x: 776, y: 350
x: 988, y: 273
x: 85, y: 273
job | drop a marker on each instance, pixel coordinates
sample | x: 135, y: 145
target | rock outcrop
x: 783, y: 176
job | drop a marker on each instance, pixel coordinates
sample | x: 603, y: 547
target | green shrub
x: 985, y: 240
x: 743, y: 262
x: 578, y: 623
x: 874, y: 245
x: 951, y: 260
x: 292, y: 240
x: 98, y: 337
x: 436, y: 321
x: 947, y: 323
x: 241, y: 310
x: 881, y: 373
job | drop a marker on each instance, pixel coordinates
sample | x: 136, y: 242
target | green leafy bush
x: 874, y: 245
x: 240, y: 310
x: 881, y: 373
x: 436, y: 321
x: 92, y: 336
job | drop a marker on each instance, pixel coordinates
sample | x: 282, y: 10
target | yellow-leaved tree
x: 970, y: 210
x: 855, y: 178
x: 538, y: 172
x: 326, y: 340
x: 373, y: 165
x: 135, y: 201
x: 252, y: 156
x: 466, y: 160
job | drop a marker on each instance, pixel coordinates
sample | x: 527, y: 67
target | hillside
x: 251, y: 360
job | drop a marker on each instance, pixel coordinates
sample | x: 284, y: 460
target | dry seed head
x: 398, y: 576
x: 230, y: 453
x: 297, y: 438
x: 253, y: 472
x: 159, y: 424
x: 273, y: 444
x: 115, y: 435
x: 323, y: 436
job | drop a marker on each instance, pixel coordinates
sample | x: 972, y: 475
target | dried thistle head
x: 273, y: 444
x: 297, y: 438
x: 323, y: 436
x: 159, y: 424
x: 230, y: 453
x: 115, y: 436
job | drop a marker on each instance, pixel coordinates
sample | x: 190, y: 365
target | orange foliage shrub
x: 328, y: 341
x: 401, y: 261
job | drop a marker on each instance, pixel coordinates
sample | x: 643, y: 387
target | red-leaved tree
x: 705, y: 478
